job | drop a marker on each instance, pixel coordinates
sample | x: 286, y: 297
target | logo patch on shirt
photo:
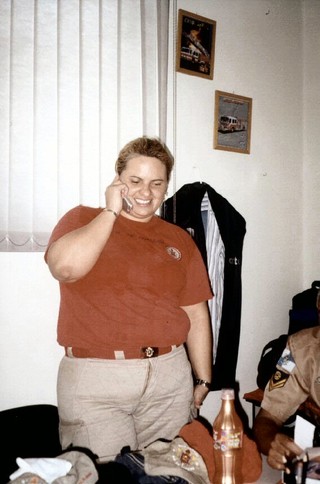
x: 185, y: 457
x: 278, y: 380
x: 286, y: 361
x: 173, y: 252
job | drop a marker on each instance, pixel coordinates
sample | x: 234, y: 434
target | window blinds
x: 78, y: 79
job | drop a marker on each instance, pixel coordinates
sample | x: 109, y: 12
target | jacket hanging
x: 184, y: 209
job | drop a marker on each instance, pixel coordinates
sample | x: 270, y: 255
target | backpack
x: 305, y: 309
x: 269, y: 358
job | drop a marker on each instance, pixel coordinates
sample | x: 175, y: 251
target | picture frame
x: 195, y: 45
x: 232, y: 126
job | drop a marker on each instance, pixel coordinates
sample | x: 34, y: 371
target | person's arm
x: 199, y: 345
x: 74, y: 254
x: 277, y: 446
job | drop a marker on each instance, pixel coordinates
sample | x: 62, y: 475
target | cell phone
x: 127, y: 205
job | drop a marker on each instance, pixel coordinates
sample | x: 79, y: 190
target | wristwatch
x: 204, y: 383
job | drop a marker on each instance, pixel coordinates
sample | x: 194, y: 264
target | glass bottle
x: 227, y: 441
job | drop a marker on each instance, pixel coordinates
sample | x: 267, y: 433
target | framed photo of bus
x: 195, y: 45
x: 232, y: 127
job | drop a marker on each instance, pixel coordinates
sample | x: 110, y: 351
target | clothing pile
x: 187, y: 459
x: 68, y: 468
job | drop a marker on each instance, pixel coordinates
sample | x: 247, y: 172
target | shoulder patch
x: 278, y: 380
x: 286, y: 361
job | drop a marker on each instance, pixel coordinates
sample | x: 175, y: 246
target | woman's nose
x: 145, y: 190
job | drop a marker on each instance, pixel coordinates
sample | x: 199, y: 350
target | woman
x: 134, y: 290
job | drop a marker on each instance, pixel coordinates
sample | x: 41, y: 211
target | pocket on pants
x: 72, y: 433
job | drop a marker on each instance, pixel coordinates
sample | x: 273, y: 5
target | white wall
x: 267, y: 50
x: 263, y: 51
x: 311, y: 144
x: 29, y: 354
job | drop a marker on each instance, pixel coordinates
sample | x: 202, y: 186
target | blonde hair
x: 145, y: 146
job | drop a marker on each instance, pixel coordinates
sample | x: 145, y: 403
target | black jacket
x: 184, y: 209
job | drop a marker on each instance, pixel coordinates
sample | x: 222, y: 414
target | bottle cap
x: 227, y: 394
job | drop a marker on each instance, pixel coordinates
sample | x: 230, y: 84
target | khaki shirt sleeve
x: 287, y: 388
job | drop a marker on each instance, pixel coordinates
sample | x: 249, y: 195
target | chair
x: 28, y: 431
x: 307, y: 410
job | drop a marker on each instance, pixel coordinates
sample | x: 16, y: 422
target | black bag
x: 305, y: 311
x: 269, y: 358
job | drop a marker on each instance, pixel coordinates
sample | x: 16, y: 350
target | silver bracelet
x: 110, y: 210
x: 204, y: 383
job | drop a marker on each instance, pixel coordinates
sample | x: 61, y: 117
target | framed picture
x: 232, y: 127
x: 195, y: 45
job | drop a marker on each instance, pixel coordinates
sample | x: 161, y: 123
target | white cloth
x: 216, y: 261
x: 47, y: 468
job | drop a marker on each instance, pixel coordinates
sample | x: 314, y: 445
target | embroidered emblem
x: 185, y: 457
x: 173, y: 252
x: 278, y: 380
x: 317, y: 380
x: 286, y: 361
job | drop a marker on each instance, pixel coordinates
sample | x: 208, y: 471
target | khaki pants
x: 105, y: 405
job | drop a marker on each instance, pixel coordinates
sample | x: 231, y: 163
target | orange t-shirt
x: 132, y: 296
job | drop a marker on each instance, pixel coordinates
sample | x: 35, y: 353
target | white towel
x: 47, y: 468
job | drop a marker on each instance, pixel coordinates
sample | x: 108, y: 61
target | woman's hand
x: 114, y: 193
x: 74, y: 254
x: 199, y: 394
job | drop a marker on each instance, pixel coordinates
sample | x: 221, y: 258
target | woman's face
x: 146, y: 179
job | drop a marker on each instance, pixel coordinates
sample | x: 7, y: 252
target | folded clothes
x: 47, y: 468
x: 175, y: 458
x: 70, y: 467
x: 199, y: 437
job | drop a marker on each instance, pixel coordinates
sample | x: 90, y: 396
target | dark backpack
x: 269, y: 358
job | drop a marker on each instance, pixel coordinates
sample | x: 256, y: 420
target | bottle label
x: 227, y: 439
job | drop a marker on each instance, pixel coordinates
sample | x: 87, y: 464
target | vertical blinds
x: 78, y: 79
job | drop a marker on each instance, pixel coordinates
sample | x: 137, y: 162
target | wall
x: 265, y: 50
x: 311, y: 145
